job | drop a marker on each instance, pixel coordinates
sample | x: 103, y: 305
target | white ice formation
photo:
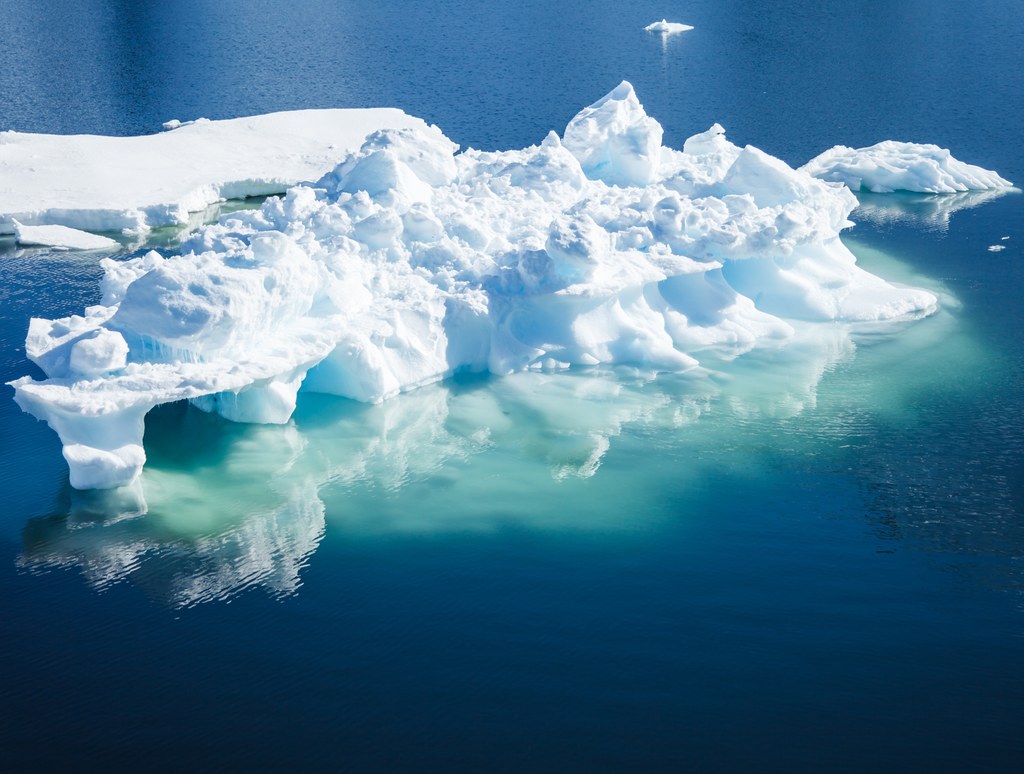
x: 667, y: 27
x: 61, y: 237
x: 134, y: 183
x: 996, y: 248
x: 409, y: 262
x: 901, y: 166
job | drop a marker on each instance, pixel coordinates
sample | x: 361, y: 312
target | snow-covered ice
x: 902, y: 166
x: 408, y: 262
x: 667, y: 28
x: 61, y: 237
x: 116, y: 183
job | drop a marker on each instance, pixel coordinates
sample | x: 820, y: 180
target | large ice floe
x: 409, y: 262
x: 134, y: 183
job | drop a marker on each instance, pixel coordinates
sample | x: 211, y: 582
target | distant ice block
x: 61, y: 237
x: 667, y: 27
x: 117, y: 183
x: 996, y: 248
x: 901, y: 166
x: 408, y: 262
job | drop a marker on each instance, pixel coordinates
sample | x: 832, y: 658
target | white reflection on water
x: 932, y: 211
x: 221, y: 508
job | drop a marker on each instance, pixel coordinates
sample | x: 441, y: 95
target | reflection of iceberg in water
x: 204, y: 536
x: 229, y: 507
x: 918, y: 209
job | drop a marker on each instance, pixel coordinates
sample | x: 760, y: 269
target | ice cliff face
x: 409, y: 262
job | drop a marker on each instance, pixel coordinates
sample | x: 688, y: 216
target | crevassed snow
x: 408, y: 262
x: 901, y: 166
x: 114, y: 183
x: 61, y: 237
x: 667, y: 27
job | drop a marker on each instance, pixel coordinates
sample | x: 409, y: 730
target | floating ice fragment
x: 61, y: 237
x: 409, y: 262
x: 996, y: 248
x: 615, y: 140
x: 667, y: 27
x: 901, y: 166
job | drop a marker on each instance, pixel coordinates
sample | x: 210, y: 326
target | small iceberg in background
x: 667, y: 27
x: 996, y: 248
x: 61, y: 238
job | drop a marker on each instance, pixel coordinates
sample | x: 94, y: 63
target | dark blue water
x: 813, y: 563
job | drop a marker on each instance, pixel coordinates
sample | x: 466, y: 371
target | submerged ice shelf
x: 408, y: 262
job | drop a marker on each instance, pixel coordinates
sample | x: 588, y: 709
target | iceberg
x: 409, y: 262
x: 99, y: 183
x: 667, y: 27
x: 61, y: 238
x: 902, y: 166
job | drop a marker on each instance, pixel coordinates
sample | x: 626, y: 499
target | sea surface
x: 808, y: 559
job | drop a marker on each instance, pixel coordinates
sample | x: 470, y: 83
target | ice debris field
x: 408, y: 261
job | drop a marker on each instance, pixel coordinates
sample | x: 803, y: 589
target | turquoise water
x: 807, y: 558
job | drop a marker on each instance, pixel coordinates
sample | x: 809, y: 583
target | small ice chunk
x: 1004, y: 238
x: 667, y: 27
x: 996, y: 248
x: 61, y: 237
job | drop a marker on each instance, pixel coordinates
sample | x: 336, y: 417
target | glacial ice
x: 61, y: 237
x: 134, y: 183
x: 408, y: 262
x: 667, y: 27
x: 902, y: 166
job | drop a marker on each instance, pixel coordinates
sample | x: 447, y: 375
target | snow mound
x: 408, y: 262
x: 61, y: 237
x: 134, y: 183
x: 901, y: 166
x: 667, y: 27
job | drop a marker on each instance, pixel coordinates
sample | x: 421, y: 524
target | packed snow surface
x: 902, y: 166
x: 408, y: 262
x: 116, y: 183
x: 61, y: 237
x: 667, y: 27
